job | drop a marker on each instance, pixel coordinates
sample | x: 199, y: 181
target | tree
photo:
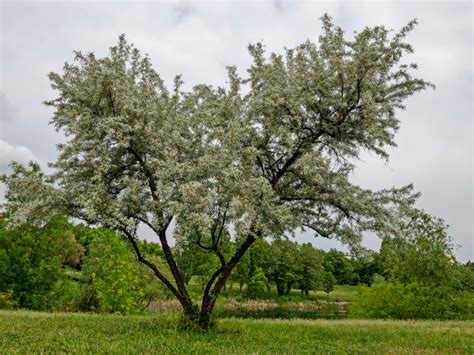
x: 338, y: 264
x: 283, y: 268
x: 258, y: 284
x: 260, y: 256
x: 328, y: 282
x: 113, y: 274
x: 366, y: 266
x: 310, y: 268
x: 269, y: 154
x: 423, y: 278
x: 422, y: 253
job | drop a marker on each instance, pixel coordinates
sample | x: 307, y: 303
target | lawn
x: 23, y: 331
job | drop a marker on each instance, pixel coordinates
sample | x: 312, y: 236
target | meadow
x: 27, y: 331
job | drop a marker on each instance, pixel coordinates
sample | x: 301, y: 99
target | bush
x: 6, y: 300
x: 66, y: 296
x: 32, y: 261
x: 328, y: 282
x: 258, y: 284
x: 394, y: 300
x: 113, y: 281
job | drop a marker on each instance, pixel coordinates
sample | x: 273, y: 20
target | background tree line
x: 68, y: 267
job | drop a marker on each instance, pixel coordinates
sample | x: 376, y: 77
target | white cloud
x: 19, y: 154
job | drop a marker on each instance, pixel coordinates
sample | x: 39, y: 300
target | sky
x: 199, y: 39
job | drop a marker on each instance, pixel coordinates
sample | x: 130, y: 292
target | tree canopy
x: 270, y: 153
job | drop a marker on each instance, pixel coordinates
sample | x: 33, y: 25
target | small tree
x: 271, y: 160
x: 422, y: 253
x: 113, y: 275
x: 338, y: 264
x: 328, y: 282
x: 310, y: 268
x: 258, y: 284
x: 283, y: 268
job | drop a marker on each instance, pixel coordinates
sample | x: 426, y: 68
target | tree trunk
x: 204, y: 320
x: 220, y: 277
x: 280, y: 287
x: 191, y: 311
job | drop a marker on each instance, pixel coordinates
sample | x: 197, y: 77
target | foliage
x: 395, y: 300
x: 424, y: 279
x: 283, y: 268
x: 269, y: 154
x: 310, y: 273
x: 112, y: 275
x: 258, y: 256
x: 465, y: 276
x: 366, y: 268
x: 6, y: 300
x: 258, y: 284
x: 338, y: 264
x: 422, y: 253
x: 66, y: 295
x: 32, y: 261
x: 328, y: 282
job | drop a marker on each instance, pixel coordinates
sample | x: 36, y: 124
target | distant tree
x: 241, y: 273
x: 366, y: 266
x: 328, y: 282
x: 258, y: 284
x: 310, y: 268
x: 422, y: 253
x: 337, y: 263
x: 193, y: 261
x: 284, y: 265
x: 270, y: 154
x: 258, y: 256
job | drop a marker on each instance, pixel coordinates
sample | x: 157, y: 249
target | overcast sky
x: 199, y: 39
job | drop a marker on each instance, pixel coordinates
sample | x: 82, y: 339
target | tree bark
x: 222, y: 274
x: 280, y: 288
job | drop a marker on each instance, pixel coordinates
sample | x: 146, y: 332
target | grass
x: 24, y: 331
x: 257, y: 309
x: 341, y: 293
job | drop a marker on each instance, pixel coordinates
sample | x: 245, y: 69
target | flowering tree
x: 269, y: 154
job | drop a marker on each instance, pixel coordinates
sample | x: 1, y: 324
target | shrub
x: 258, y: 284
x: 112, y: 276
x: 328, y: 282
x: 66, y: 296
x: 394, y: 300
x: 6, y: 300
x: 32, y: 261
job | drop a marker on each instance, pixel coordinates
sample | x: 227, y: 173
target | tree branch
x: 149, y: 264
x: 178, y: 277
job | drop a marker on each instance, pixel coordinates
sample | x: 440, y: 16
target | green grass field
x: 22, y: 331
